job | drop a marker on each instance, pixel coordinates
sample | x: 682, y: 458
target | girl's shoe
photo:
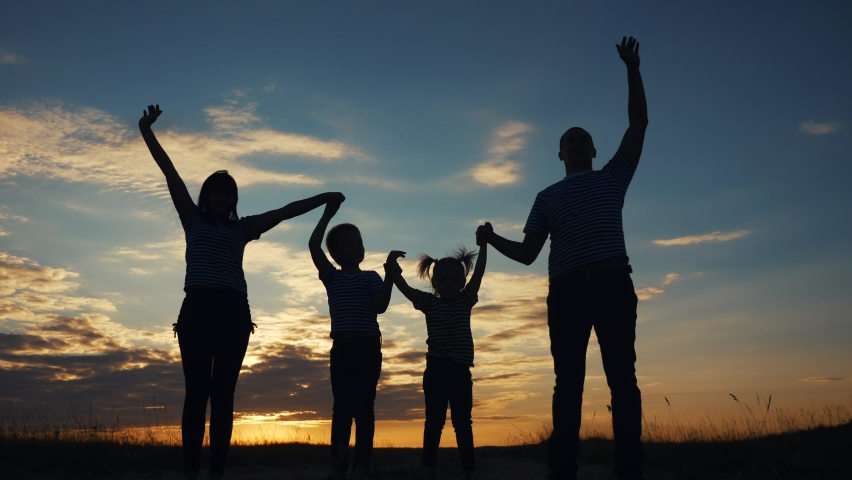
x: 359, y: 473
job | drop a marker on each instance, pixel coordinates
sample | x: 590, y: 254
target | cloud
x: 507, y: 140
x: 707, y: 237
x: 813, y: 128
x: 171, y: 250
x: 92, y: 146
x: 4, y: 215
x: 7, y: 58
x: 824, y: 379
x: 20, y: 273
x: 648, y: 293
x: 39, y: 302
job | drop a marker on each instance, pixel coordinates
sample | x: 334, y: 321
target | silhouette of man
x: 590, y: 284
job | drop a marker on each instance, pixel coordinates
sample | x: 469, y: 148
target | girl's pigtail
x: 465, y: 257
x: 423, y: 267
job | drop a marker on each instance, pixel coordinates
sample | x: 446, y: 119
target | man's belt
x: 593, y: 274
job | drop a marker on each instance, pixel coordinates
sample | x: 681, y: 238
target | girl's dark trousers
x: 575, y: 305
x: 213, y: 331
x: 356, y: 363
x: 447, y: 382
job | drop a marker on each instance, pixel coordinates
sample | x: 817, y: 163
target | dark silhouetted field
x: 762, y: 443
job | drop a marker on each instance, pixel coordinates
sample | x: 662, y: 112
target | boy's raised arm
x: 394, y: 271
x: 381, y: 299
x: 315, y: 242
x: 265, y: 221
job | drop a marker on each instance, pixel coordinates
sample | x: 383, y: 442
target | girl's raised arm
x: 265, y: 221
x: 177, y: 189
x: 479, y: 269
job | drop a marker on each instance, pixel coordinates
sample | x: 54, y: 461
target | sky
x: 431, y: 118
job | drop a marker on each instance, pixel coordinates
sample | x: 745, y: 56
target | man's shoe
x: 359, y: 473
x: 561, y: 476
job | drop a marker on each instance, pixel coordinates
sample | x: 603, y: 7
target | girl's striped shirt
x: 214, y: 253
x: 582, y: 214
x: 448, y: 325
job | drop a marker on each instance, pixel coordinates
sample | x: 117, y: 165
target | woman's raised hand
x: 150, y: 116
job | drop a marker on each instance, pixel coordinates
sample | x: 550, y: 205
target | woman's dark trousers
x: 213, y: 332
x: 446, y: 382
x: 574, y: 307
x: 356, y: 364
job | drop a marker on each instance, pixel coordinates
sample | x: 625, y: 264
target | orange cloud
x: 89, y: 145
x: 814, y: 128
x: 508, y: 139
x: 704, y: 238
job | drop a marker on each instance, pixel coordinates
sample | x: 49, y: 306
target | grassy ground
x: 824, y: 452
x: 761, y: 443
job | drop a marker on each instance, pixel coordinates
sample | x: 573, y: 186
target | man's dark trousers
x: 575, y: 304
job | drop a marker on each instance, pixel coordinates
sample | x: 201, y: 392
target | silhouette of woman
x: 214, y: 323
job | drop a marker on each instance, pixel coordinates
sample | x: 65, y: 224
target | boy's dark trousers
x: 356, y: 363
x: 213, y: 331
x: 575, y: 304
x: 445, y: 381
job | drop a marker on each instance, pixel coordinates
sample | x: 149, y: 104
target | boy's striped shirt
x: 214, y: 253
x: 448, y: 325
x: 582, y: 214
x: 350, y: 300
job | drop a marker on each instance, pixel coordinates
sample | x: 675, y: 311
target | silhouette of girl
x: 214, y: 323
x: 447, y: 378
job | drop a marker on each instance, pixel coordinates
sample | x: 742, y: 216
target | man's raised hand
x: 629, y: 51
x: 150, y: 116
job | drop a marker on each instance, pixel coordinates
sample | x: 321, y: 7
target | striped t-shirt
x: 350, y: 300
x: 582, y: 214
x: 448, y: 325
x: 214, y: 253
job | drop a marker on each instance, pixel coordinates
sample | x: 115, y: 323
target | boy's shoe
x: 429, y: 474
x: 359, y: 473
x: 335, y: 474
